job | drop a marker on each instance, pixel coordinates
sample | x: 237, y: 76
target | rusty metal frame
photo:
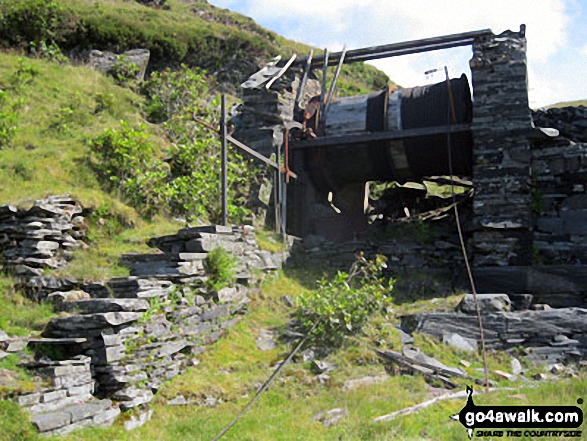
x: 396, y: 49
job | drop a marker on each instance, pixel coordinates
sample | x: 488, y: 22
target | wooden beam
x: 332, y: 89
x: 346, y: 140
x: 257, y: 155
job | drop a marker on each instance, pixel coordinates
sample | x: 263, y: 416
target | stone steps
x: 105, y: 305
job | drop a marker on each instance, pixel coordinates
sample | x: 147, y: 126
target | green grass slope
x: 60, y: 108
x: 569, y: 104
x: 228, y: 45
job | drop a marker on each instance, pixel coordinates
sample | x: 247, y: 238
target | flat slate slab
x: 107, y: 305
x: 78, y: 325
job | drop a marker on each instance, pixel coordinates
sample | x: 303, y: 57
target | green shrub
x: 38, y: 22
x: 104, y: 102
x: 343, y: 305
x: 124, y: 72
x: 219, y: 266
x: 174, y: 100
x: 127, y: 163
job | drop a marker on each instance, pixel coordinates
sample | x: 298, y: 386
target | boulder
x: 457, y: 341
x: 135, y: 61
x: 488, y: 303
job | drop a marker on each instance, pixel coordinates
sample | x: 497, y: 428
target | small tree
x: 343, y: 305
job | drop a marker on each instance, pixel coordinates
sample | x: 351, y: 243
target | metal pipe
x: 223, y: 137
x: 332, y: 88
x: 323, y: 90
x: 389, y: 50
x: 408, y: 51
x: 302, y: 89
x: 277, y: 192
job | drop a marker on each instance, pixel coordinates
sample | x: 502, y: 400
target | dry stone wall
x: 424, y: 258
x: 42, y: 237
x: 559, y: 188
x: 116, y: 341
x: 66, y: 401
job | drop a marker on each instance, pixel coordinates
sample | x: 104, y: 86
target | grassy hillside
x: 569, y: 104
x: 226, y: 44
x: 60, y: 108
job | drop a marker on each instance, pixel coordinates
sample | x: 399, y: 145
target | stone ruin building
x: 525, y: 229
x: 525, y: 224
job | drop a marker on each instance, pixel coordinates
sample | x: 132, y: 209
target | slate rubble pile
x: 41, y: 237
x: 571, y: 122
x: 184, y: 252
x: 66, y: 401
x: 135, y: 332
x: 547, y: 335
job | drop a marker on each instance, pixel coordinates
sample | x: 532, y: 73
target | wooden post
x: 224, y: 135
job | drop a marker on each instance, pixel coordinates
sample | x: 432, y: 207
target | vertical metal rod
x: 302, y: 89
x: 332, y: 87
x: 284, y: 211
x: 277, y: 198
x: 323, y: 91
x: 223, y: 136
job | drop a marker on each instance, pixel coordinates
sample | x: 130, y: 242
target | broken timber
x: 426, y: 369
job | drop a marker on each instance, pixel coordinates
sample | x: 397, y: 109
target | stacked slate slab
x: 41, y: 237
x: 139, y: 331
x: 547, y: 336
x: 65, y: 402
x: 560, y: 188
x: 184, y: 253
x: 571, y: 122
x: 264, y: 113
x: 136, y: 344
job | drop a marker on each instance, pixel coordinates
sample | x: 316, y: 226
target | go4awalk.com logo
x: 518, y: 421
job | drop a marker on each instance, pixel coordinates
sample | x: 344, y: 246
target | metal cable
x: 452, y: 112
x: 265, y: 385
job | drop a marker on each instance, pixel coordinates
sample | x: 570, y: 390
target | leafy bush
x: 343, y: 305
x: 219, y: 266
x: 127, y: 163
x: 40, y: 22
x: 124, y: 72
x: 50, y: 52
x: 185, y: 179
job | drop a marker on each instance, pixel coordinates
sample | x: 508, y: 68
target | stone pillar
x: 265, y: 112
x: 261, y: 123
x: 501, y: 154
